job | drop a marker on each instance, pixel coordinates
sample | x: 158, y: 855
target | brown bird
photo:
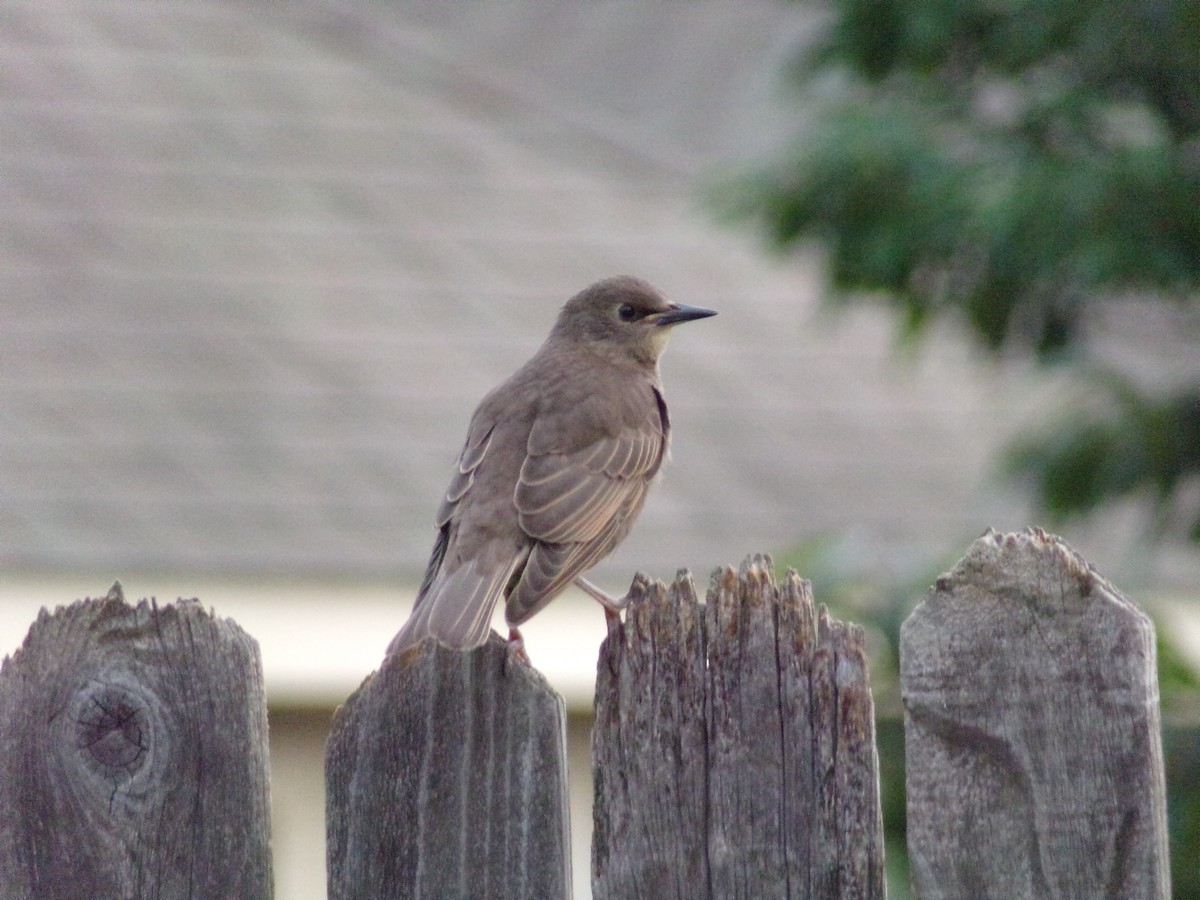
x: 555, y: 468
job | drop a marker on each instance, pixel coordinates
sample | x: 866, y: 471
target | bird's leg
x: 516, y: 648
x: 612, y: 605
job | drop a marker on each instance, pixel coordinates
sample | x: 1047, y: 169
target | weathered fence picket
x: 133, y: 756
x: 734, y: 751
x: 445, y: 776
x: 1034, y: 753
x: 734, y: 746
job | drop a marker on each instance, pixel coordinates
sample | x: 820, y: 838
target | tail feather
x: 455, y: 608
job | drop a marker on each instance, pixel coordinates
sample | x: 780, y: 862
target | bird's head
x: 622, y: 318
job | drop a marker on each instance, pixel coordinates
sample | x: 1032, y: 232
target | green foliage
x: 1140, y: 443
x: 1181, y: 751
x: 1011, y: 164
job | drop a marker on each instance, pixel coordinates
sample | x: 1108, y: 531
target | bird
x: 554, y: 470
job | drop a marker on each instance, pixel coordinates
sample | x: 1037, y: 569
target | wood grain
x: 734, y: 750
x: 133, y: 756
x: 446, y: 777
x: 1032, y: 730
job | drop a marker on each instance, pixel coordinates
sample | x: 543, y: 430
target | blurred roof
x: 259, y: 263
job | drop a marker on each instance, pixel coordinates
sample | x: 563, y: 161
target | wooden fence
x: 733, y: 751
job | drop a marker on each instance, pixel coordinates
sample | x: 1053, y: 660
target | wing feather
x: 577, y: 503
x: 473, y: 453
x: 551, y: 567
x: 564, y: 497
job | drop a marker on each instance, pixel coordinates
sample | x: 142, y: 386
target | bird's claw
x: 515, y: 649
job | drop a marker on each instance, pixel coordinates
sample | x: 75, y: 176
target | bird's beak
x: 679, y: 313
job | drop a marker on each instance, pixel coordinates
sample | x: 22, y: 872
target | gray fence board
x: 445, y: 776
x: 734, y: 751
x: 133, y: 756
x: 1032, y: 729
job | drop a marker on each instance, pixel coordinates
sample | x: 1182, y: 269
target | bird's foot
x: 612, y: 605
x: 515, y: 649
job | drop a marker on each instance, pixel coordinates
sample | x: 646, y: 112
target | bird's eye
x: 627, y: 312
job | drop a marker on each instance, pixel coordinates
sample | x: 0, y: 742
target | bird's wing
x: 456, y: 606
x: 578, y: 503
x: 551, y: 567
x: 479, y: 438
x: 570, y: 497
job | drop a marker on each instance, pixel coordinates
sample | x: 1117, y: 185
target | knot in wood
x: 113, y: 727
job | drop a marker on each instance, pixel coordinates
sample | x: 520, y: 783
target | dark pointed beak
x: 680, y: 313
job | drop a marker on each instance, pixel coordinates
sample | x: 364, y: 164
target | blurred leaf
x: 1139, y: 444
x: 1010, y: 164
x: 1011, y: 159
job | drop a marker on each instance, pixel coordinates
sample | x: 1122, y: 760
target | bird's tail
x: 455, y: 608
